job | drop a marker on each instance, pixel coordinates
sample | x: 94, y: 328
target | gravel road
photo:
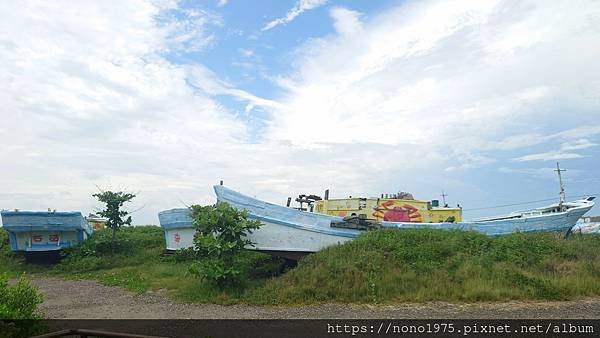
x: 66, y: 299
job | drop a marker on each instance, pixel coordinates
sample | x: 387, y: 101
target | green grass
x: 389, y: 266
x: 13, y: 264
x: 383, y: 266
x: 134, y: 262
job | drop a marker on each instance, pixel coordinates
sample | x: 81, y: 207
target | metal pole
x: 562, y: 188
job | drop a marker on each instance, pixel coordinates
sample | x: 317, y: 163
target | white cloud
x: 246, y: 52
x: 582, y: 131
x: 519, y: 141
x: 88, y: 98
x: 548, y: 156
x: 186, y: 29
x: 577, y: 145
x: 345, y: 21
x: 547, y: 173
x: 300, y: 7
x: 565, y: 152
x: 201, y: 77
x: 222, y: 3
x: 423, y: 73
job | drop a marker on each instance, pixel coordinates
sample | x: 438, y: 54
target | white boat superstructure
x: 572, y: 207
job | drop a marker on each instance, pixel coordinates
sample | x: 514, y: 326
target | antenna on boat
x: 562, y: 188
x: 444, y: 199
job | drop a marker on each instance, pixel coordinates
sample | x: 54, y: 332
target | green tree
x: 114, y: 201
x: 221, y: 232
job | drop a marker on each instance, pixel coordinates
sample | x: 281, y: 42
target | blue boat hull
x: 40, y: 231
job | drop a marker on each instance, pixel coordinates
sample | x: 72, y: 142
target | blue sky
x: 165, y: 98
x: 246, y: 55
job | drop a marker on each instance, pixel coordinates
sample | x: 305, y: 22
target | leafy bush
x: 217, y: 271
x: 5, y: 252
x: 11, y: 262
x: 100, y: 251
x: 4, y: 244
x: 220, y: 237
x: 128, y: 241
x: 18, y: 301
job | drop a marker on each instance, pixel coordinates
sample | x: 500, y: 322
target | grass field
x: 383, y: 266
x: 135, y: 263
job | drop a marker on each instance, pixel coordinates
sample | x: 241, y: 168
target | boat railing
x: 497, y: 218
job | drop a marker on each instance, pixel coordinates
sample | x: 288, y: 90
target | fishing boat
x: 96, y: 222
x: 290, y: 232
x: 178, y: 228
x: 44, y: 231
x: 587, y: 225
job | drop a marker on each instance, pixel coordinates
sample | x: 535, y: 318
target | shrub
x: 220, y: 237
x: 132, y: 246
x: 18, y: 301
x: 4, y: 245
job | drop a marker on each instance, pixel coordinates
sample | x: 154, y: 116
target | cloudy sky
x: 165, y: 98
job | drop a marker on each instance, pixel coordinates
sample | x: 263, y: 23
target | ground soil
x: 68, y: 299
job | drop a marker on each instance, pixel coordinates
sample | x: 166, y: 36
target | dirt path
x: 65, y: 299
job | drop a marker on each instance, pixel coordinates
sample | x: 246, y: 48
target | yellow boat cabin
x: 402, y: 208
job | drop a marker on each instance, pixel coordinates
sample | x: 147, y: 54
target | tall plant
x: 114, y: 202
x: 221, y: 234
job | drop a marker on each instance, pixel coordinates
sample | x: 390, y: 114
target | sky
x: 165, y: 98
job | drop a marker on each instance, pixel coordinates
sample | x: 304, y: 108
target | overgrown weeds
x: 395, y: 265
x: 382, y: 266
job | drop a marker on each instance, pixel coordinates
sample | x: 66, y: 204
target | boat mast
x: 444, y: 199
x: 562, y: 188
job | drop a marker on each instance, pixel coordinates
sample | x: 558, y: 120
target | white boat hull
x: 278, y: 237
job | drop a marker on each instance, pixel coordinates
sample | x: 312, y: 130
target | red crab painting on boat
x: 392, y: 212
